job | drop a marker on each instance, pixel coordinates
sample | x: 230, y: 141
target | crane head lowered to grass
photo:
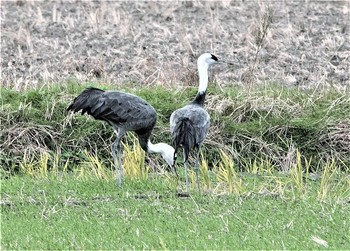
x: 124, y: 112
x: 189, y: 125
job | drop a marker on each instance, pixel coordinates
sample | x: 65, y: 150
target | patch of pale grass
x: 262, y: 179
x: 134, y: 160
x: 255, y: 103
x: 226, y: 173
x: 92, y: 167
x: 299, y: 173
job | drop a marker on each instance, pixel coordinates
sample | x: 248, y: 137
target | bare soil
x: 45, y: 42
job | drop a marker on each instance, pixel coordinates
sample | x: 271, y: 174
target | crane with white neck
x: 124, y: 112
x: 189, y: 125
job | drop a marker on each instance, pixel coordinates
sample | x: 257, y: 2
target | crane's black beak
x: 224, y: 62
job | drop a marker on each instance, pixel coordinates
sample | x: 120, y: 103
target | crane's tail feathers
x: 184, y: 135
x: 86, y: 100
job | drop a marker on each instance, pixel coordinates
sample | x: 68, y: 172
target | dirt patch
x: 45, y: 42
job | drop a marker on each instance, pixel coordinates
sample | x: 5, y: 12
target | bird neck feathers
x: 199, y: 99
x: 203, y: 82
x: 203, y: 76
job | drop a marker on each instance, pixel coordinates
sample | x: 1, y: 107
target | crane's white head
x: 206, y: 59
x: 203, y: 63
x: 165, y: 150
x: 167, y: 153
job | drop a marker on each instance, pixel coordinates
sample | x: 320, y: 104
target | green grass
x: 67, y: 212
x: 274, y: 174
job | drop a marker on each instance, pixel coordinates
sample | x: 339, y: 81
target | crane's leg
x: 117, y: 164
x: 175, y: 171
x: 196, y: 167
x: 116, y: 147
x: 186, y: 169
x: 174, y: 167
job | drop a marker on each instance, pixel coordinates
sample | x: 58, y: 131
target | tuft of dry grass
x: 28, y: 138
x: 260, y: 30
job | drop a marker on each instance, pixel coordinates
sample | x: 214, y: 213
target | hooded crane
x: 189, y: 125
x: 124, y: 112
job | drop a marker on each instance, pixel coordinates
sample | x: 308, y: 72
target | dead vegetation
x: 301, y: 43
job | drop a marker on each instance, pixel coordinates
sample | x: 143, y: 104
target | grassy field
x: 274, y: 174
x: 275, y: 167
x: 67, y: 211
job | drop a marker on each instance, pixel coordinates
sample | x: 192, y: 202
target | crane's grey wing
x: 85, y: 100
x: 198, y: 117
x: 120, y: 107
x: 117, y: 108
x: 177, y: 116
x: 174, y: 118
x: 201, y: 122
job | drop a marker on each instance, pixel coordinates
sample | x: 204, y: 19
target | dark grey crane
x: 124, y: 112
x: 189, y: 125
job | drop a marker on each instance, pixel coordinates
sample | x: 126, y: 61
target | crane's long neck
x: 203, y: 83
x: 148, y: 147
x: 167, y: 151
x: 164, y: 149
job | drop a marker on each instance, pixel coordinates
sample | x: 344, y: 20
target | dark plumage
x: 191, y: 125
x: 121, y: 110
x: 124, y: 112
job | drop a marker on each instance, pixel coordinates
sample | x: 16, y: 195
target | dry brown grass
x: 158, y: 42
x: 26, y: 139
